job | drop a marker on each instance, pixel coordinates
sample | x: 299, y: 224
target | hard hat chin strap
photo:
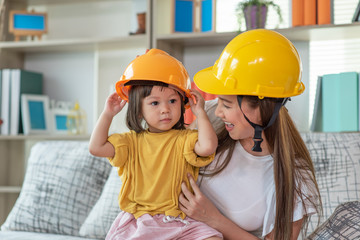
x: 258, y: 128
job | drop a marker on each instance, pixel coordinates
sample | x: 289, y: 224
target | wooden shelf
x: 303, y: 33
x: 41, y: 2
x: 67, y: 45
x: 44, y: 137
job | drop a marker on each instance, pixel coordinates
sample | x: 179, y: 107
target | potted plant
x: 255, y: 12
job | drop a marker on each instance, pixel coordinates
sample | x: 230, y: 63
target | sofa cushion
x: 336, y: 158
x: 62, y: 183
x: 99, y: 221
x: 342, y: 224
x: 18, y: 235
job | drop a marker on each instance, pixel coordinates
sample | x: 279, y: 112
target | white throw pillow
x: 99, y: 221
x: 62, y: 183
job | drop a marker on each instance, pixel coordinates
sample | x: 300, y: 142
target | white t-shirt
x: 245, y: 191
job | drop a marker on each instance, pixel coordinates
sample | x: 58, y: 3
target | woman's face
x: 229, y: 111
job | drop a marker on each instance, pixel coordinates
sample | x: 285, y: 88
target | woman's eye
x: 225, y: 106
x: 154, y: 103
x: 172, y: 100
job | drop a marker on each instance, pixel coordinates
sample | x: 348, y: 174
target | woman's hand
x: 114, y: 104
x: 197, y: 205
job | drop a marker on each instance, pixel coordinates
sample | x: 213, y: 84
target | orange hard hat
x: 154, y: 65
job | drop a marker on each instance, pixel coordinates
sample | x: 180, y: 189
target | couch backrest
x: 336, y: 158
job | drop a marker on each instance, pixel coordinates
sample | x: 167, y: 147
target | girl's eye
x: 154, y: 103
x: 172, y: 100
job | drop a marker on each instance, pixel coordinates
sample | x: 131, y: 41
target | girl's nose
x: 165, y: 108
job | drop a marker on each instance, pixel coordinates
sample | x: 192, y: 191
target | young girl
x: 154, y: 161
x: 262, y: 182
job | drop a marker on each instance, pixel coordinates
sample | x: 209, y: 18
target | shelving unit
x: 176, y: 41
x: 200, y: 50
x: 84, y: 53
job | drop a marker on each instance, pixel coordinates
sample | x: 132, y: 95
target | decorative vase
x: 255, y: 16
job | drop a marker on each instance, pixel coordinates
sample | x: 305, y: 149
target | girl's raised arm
x: 207, y: 140
x: 99, y: 145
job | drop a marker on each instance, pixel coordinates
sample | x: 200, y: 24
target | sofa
x: 69, y: 194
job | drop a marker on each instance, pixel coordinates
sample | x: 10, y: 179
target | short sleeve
x: 121, y: 146
x: 190, y: 156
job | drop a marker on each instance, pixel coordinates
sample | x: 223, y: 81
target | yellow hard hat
x: 258, y: 62
x: 155, y: 65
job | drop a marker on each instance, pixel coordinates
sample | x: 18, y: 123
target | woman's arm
x: 200, y: 208
x: 99, y: 146
x: 207, y: 139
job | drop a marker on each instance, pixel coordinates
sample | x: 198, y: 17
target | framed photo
x: 35, y: 114
x: 25, y: 23
x: 58, y: 120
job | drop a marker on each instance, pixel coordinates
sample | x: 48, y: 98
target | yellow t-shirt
x: 152, y: 167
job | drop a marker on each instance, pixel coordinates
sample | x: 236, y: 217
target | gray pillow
x: 62, y: 183
x: 344, y: 223
x: 99, y: 221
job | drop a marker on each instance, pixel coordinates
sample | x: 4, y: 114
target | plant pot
x: 255, y: 16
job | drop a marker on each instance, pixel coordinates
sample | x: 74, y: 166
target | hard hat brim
x: 207, y: 82
x: 204, y: 77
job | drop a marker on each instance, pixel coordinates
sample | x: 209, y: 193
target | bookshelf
x: 84, y: 53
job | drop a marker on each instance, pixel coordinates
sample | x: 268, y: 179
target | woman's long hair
x: 293, y: 167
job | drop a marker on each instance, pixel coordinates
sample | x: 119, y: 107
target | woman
x: 262, y: 182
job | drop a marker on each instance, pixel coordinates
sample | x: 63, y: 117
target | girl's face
x: 229, y: 111
x: 161, y: 109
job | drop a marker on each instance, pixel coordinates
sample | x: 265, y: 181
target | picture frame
x: 35, y: 114
x: 25, y: 23
x: 58, y: 117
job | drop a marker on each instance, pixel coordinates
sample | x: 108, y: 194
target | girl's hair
x: 293, y: 167
x: 134, y: 116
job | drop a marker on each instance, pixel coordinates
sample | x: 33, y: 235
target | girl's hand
x: 197, y: 205
x: 198, y: 105
x: 114, y: 104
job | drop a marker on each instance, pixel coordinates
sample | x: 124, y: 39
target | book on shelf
x: 312, y: 12
x: 309, y: 12
x: 193, y: 15
x: 183, y: 16
x: 325, y: 11
x: 316, y: 122
x: 5, y: 101
x: 22, y: 82
x: 340, y: 102
x: 297, y: 13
